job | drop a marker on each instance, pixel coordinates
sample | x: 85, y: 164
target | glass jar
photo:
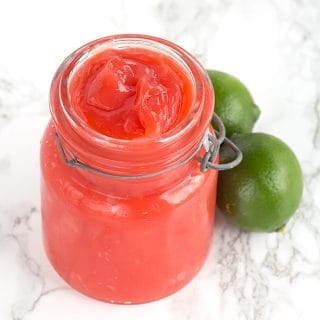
x: 126, y: 221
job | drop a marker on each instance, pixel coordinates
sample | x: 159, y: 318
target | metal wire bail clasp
x: 212, y: 146
x: 209, y: 142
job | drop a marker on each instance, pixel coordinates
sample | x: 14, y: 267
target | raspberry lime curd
x: 127, y: 214
x: 131, y: 92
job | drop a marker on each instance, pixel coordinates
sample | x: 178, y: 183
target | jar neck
x: 138, y: 156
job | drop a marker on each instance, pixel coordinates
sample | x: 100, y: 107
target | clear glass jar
x: 143, y: 230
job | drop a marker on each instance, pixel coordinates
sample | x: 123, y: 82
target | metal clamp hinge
x: 214, y: 143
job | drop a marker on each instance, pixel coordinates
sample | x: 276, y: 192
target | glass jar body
x: 127, y: 240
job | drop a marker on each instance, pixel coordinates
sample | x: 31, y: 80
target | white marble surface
x: 273, y: 46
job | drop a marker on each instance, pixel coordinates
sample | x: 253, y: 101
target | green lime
x: 264, y: 190
x: 233, y: 103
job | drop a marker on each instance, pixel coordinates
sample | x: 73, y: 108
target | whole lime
x: 233, y: 103
x: 263, y: 192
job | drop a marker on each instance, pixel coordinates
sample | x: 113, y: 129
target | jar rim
x: 195, y: 71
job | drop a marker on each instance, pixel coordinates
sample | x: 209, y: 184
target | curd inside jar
x: 131, y: 93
